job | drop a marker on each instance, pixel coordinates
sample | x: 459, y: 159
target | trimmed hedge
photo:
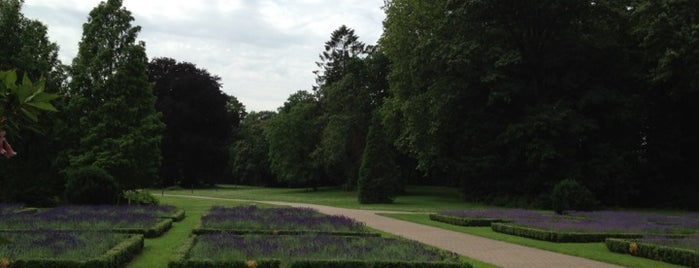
x: 374, y: 264
x: 662, y: 253
x: 463, y: 221
x: 159, y: 229
x: 557, y: 236
x: 200, y: 231
x: 179, y: 215
x: 225, y: 264
x: 116, y: 257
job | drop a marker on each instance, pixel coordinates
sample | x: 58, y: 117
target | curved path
x: 483, y: 249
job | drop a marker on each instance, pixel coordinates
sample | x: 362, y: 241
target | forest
x: 505, y: 99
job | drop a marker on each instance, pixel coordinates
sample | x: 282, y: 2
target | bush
x: 463, y: 221
x: 91, y: 186
x: 557, y: 236
x: 568, y: 194
x: 662, y: 253
x: 378, y: 175
x: 136, y: 197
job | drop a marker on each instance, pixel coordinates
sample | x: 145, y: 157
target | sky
x: 263, y: 50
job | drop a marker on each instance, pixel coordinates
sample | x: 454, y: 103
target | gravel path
x: 483, y: 249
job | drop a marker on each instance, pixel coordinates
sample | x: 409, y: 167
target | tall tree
x: 32, y: 176
x: 117, y: 126
x: 293, y: 135
x: 250, y: 153
x: 379, y: 180
x: 339, y: 50
x: 197, y: 119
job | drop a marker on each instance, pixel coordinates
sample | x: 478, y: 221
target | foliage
x: 140, y: 197
x: 568, y: 194
x: 249, y: 154
x: 668, y: 254
x: 378, y: 177
x: 198, y: 122
x: 92, y: 186
x: 557, y: 235
x: 115, y: 124
x: 293, y: 135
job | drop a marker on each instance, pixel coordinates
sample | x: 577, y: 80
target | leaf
x: 30, y: 114
x: 43, y: 106
x: 10, y: 79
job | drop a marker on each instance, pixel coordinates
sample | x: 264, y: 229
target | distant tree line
x: 505, y: 99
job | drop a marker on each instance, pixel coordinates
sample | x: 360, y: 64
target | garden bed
x: 151, y: 221
x: 681, y: 251
x: 310, y: 251
x: 574, y: 226
x: 253, y: 220
x: 68, y: 249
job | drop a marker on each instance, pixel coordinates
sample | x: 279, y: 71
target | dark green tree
x: 379, y: 180
x: 116, y: 125
x: 293, y: 135
x: 198, y: 123
x: 32, y: 177
x: 250, y: 153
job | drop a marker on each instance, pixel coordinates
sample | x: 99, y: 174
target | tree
x: 117, y: 126
x: 250, y: 153
x: 199, y: 120
x: 339, y: 50
x: 32, y: 177
x: 516, y: 95
x: 293, y: 135
x: 378, y: 176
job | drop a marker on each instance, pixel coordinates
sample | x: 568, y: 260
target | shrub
x: 91, y: 186
x: 378, y: 174
x: 568, y: 194
x: 662, y: 253
x: 136, y: 197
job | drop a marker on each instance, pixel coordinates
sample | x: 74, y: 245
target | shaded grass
x: 594, y: 251
x: 416, y: 199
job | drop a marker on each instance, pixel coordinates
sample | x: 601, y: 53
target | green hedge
x: 463, y: 221
x: 159, y: 229
x: 373, y: 264
x: 116, y: 257
x: 200, y: 231
x: 557, y: 236
x: 223, y: 264
x: 178, y: 215
x: 662, y: 253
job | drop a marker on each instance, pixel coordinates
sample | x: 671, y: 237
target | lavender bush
x: 86, y: 218
x: 48, y: 244
x: 597, y: 221
x: 287, y: 219
x: 227, y: 247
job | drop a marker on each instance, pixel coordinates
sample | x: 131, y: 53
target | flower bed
x: 682, y: 251
x: 253, y: 220
x: 311, y: 251
x: 130, y: 219
x: 68, y: 249
x: 575, y: 226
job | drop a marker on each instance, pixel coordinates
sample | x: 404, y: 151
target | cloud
x: 263, y: 50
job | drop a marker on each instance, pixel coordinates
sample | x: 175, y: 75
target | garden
x: 79, y: 236
x: 248, y: 236
x: 668, y: 237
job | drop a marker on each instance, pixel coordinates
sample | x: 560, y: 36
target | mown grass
x: 594, y: 251
x: 416, y: 199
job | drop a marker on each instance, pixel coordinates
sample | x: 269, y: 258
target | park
x: 472, y: 134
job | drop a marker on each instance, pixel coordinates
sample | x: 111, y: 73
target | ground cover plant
x: 49, y: 248
x: 299, y: 248
x: 151, y: 220
x: 282, y: 220
x: 595, y: 222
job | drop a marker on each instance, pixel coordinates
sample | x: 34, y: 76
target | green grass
x: 595, y: 251
x: 416, y: 199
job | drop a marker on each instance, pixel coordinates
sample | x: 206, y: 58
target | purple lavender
x: 57, y: 244
x: 287, y: 219
x: 689, y: 242
x: 86, y: 218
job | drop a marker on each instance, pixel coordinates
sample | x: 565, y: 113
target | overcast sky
x: 263, y: 50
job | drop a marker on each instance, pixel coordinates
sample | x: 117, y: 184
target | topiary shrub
x: 568, y: 194
x: 140, y: 197
x: 378, y: 175
x: 91, y: 186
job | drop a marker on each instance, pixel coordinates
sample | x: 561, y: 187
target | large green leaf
x: 45, y: 106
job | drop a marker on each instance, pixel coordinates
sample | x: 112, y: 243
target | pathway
x: 483, y: 249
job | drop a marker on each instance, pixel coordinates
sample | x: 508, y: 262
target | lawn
x: 595, y: 251
x: 416, y: 199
